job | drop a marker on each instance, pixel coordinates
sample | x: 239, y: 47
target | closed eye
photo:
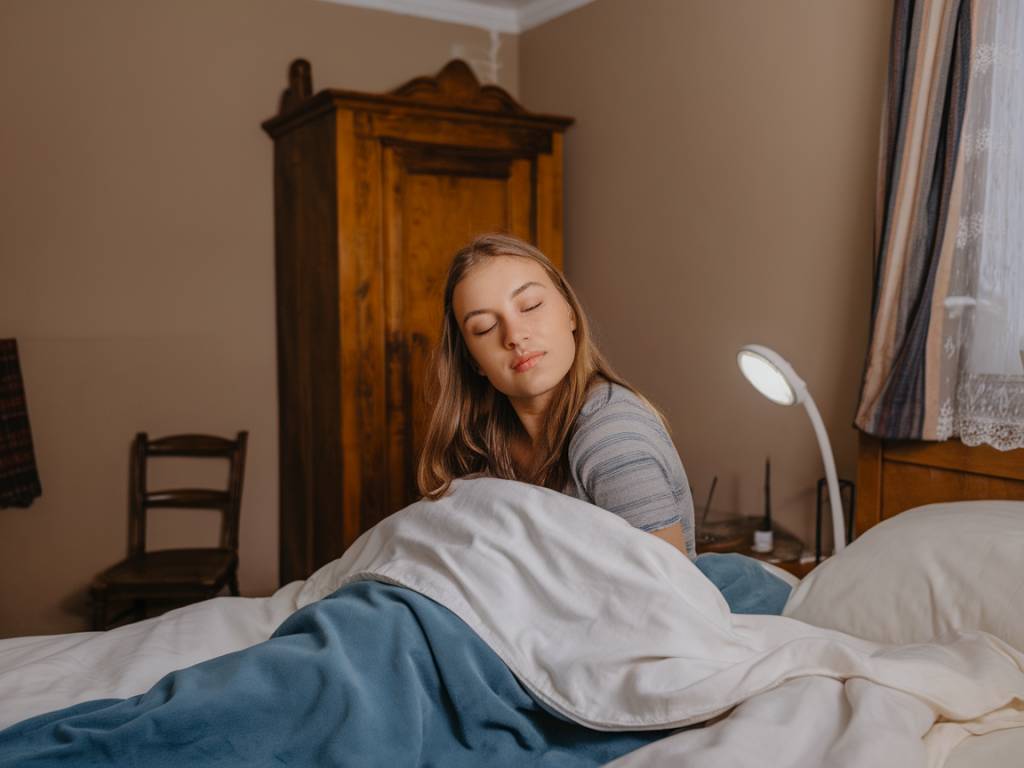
x: 528, y: 309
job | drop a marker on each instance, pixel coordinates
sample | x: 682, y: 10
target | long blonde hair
x: 472, y: 424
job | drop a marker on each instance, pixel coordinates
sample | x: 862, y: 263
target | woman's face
x: 510, y: 312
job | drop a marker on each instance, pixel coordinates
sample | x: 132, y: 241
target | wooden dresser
x: 373, y: 194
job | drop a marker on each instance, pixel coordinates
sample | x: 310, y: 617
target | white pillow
x: 925, y: 572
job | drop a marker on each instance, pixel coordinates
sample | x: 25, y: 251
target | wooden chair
x: 182, y: 575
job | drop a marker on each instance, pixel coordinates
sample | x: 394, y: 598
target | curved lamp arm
x: 775, y: 378
x: 835, y: 499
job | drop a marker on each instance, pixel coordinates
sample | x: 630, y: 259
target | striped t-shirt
x: 623, y: 460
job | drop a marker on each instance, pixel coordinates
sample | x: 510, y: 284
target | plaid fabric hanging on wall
x: 19, y: 479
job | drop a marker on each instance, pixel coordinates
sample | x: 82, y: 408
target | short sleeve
x: 622, y: 458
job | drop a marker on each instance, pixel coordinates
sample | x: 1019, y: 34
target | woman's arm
x: 673, y: 534
x: 624, y: 462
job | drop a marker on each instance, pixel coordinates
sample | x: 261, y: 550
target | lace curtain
x: 983, y: 344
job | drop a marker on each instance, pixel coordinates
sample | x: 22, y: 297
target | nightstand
x: 737, y: 535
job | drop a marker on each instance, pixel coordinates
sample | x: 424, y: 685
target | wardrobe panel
x: 361, y: 310
x: 373, y: 194
x: 432, y: 208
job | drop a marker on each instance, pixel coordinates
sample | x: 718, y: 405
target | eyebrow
x: 512, y: 295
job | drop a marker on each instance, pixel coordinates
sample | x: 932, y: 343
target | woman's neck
x: 531, y: 413
x: 523, y: 456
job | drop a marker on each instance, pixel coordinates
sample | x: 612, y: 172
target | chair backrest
x: 228, y: 501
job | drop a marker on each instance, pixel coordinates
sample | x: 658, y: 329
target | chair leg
x: 99, y: 610
x: 233, y: 583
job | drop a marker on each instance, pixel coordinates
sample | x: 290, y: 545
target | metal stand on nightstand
x: 848, y: 494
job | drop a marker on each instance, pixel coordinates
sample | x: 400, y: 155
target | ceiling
x: 511, y: 16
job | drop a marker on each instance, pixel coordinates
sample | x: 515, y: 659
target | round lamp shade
x: 772, y: 376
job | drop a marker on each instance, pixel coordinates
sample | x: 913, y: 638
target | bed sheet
x: 373, y: 676
x: 48, y: 672
x: 611, y: 628
x: 43, y: 673
x: 999, y: 749
x: 805, y: 722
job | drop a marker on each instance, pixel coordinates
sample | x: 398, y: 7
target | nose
x: 516, y: 333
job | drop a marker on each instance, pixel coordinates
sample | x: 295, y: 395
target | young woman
x: 522, y: 393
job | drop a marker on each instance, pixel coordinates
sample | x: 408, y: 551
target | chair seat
x: 169, y: 569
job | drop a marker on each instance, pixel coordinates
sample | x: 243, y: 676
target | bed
x: 894, y: 476
x: 897, y: 475
x: 540, y: 591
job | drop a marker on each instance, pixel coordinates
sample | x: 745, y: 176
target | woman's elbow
x: 673, y: 534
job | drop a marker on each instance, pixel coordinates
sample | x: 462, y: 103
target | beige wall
x: 719, y: 186
x: 719, y: 191
x: 136, y: 250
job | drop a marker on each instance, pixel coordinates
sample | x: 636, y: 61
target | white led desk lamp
x: 774, y: 378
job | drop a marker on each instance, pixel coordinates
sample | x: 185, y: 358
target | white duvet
x: 602, y: 622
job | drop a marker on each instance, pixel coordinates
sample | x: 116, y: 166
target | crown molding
x: 537, y: 12
x: 512, y: 20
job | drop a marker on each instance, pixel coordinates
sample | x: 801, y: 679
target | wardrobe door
x: 435, y: 201
x: 435, y: 196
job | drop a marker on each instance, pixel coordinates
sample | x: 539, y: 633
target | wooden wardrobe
x: 373, y: 194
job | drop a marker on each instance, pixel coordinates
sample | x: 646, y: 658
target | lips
x: 526, y: 362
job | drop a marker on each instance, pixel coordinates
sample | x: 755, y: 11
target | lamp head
x: 771, y: 375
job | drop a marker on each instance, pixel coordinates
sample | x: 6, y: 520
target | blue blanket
x: 746, y: 586
x: 373, y: 675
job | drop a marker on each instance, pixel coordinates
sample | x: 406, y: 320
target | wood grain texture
x: 869, y: 483
x: 306, y: 280
x: 897, y: 475
x: 457, y: 86
x: 374, y: 193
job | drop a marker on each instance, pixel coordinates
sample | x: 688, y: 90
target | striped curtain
x: 919, y: 183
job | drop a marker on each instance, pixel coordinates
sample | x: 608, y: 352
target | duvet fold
x: 615, y: 630
x: 601, y: 639
x: 372, y: 675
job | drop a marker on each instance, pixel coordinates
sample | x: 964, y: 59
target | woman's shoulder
x: 606, y: 396
x: 617, y: 429
x: 612, y: 412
